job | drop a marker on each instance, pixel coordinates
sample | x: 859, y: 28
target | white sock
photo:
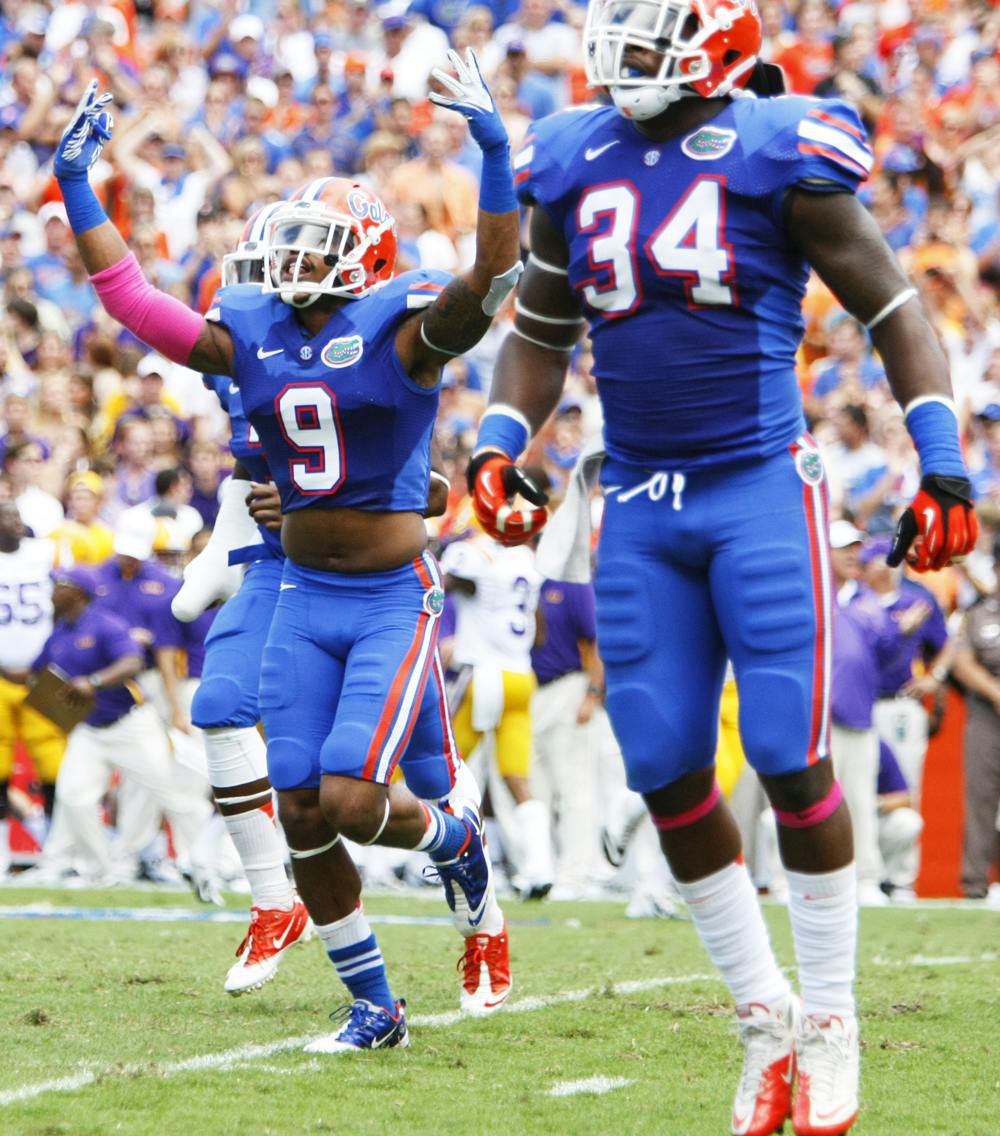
x: 237, y: 756
x: 260, y: 851
x: 728, y: 918
x: 4, y: 846
x: 823, y: 908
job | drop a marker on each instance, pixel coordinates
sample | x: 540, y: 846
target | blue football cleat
x: 365, y: 1026
x: 469, y: 874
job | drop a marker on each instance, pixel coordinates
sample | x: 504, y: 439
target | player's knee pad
x: 221, y: 700
x: 291, y: 764
x: 659, y: 743
x: 669, y: 822
x: 776, y: 719
x: 813, y: 814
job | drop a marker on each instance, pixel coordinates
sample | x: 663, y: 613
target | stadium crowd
x: 115, y: 456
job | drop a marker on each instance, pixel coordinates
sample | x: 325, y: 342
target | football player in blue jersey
x: 338, y: 369
x: 679, y: 223
x: 226, y: 705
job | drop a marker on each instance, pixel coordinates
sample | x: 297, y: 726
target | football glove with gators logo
x: 942, y: 516
x: 493, y: 481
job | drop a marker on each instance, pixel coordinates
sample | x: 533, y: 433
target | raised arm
x: 461, y: 315
x: 528, y: 379
x: 842, y: 242
x: 159, y: 320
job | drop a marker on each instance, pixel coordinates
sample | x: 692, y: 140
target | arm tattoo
x: 455, y: 322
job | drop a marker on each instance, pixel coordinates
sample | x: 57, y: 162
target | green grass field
x: 112, y: 1026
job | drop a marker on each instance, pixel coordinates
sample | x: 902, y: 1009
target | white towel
x: 564, y: 548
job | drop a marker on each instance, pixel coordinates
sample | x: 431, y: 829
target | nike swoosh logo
x: 262, y: 354
x: 593, y: 152
x: 929, y: 517
x: 233, y: 388
x: 279, y: 941
x: 285, y: 587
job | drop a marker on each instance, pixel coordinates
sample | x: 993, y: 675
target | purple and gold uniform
x: 714, y: 538
x: 344, y: 680
x: 95, y: 641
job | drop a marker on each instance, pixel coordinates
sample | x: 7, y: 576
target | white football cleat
x: 764, y: 1098
x: 272, y: 931
x: 828, y: 1061
x: 486, y: 982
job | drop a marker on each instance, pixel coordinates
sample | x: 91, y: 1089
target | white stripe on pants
x: 137, y: 745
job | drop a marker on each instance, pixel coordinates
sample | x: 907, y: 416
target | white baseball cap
x: 843, y: 534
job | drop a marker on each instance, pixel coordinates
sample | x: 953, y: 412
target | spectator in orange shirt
x: 809, y: 59
x: 447, y: 192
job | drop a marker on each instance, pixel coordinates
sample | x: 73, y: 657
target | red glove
x: 493, y: 481
x: 943, y: 518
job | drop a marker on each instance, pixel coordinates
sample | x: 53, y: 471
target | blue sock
x: 354, y: 951
x: 446, y: 835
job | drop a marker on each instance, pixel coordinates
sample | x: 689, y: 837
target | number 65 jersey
x: 679, y: 254
x: 341, y: 422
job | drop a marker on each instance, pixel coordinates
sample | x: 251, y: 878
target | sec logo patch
x: 344, y: 352
x: 809, y: 465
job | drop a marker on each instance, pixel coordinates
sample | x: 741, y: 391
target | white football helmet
x: 345, y: 225
x: 708, y: 48
x: 245, y: 265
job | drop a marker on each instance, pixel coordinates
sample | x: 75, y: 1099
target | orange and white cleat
x: 272, y: 931
x: 486, y: 982
x: 764, y: 1097
x: 827, y: 1060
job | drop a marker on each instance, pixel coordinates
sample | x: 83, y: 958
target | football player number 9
x: 689, y: 243
x: 308, y: 418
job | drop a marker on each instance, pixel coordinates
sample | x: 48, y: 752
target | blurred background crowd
x: 222, y: 106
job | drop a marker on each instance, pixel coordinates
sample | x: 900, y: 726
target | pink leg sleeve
x: 166, y: 324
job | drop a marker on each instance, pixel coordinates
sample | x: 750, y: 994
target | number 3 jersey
x: 679, y: 253
x: 25, y: 602
x: 341, y: 422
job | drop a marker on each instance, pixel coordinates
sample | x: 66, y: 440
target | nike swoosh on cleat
x: 593, y: 152
x: 262, y: 354
x: 279, y: 942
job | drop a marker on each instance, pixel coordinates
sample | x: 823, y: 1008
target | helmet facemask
x: 686, y: 34
x: 244, y: 266
x: 315, y: 234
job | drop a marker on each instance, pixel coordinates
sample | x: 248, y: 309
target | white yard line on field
x: 247, y: 1053
x: 597, y: 1086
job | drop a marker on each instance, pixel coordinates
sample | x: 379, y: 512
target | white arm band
x: 545, y: 266
x: 896, y: 302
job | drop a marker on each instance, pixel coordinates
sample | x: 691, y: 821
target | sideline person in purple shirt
x: 92, y: 646
x: 917, y: 619
x: 864, y: 643
x: 569, y: 619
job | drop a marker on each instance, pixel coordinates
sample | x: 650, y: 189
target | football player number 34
x: 689, y: 243
x: 308, y: 417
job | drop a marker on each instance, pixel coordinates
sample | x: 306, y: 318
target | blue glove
x: 84, y: 138
x: 470, y: 96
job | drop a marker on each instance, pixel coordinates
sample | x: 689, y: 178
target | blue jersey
x: 687, y: 239
x: 246, y: 448
x: 341, y: 422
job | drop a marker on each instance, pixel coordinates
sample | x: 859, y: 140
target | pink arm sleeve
x: 167, y: 325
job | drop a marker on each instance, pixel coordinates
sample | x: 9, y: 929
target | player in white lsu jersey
x: 25, y: 623
x: 496, y: 592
